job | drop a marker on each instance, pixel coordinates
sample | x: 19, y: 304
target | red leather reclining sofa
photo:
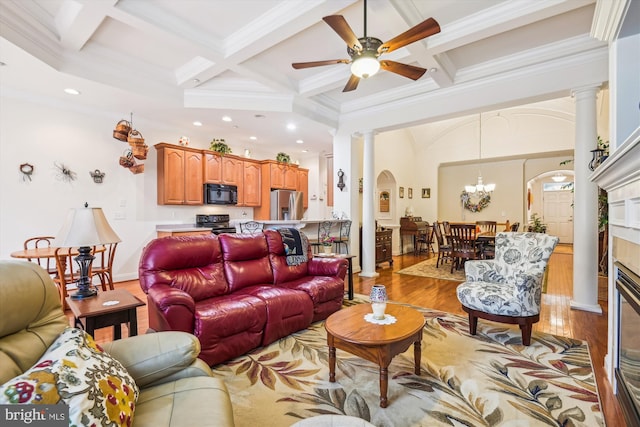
x: 235, y: 292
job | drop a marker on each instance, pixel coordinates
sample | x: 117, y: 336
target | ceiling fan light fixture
x: 365, y: 66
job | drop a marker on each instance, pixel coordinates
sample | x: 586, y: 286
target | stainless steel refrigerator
x: 286, y: 205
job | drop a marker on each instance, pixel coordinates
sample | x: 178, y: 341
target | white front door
x: 558, y: 214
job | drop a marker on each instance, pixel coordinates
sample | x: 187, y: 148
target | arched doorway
x: 550, y: 199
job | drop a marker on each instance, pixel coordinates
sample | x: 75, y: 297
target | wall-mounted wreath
x: 469, y: 205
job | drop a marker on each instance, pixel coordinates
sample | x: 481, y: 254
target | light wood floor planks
x: 556, y: 317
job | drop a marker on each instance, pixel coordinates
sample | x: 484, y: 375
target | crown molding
x: 607, y: 19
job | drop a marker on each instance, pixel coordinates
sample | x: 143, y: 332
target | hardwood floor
x: 556, y: 316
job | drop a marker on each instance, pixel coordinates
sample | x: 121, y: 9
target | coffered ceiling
x: 177, y: 61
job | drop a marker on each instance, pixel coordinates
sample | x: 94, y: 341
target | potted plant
x: 283, y: 158
x: 219, y: 146
x: 327, y: 243
x: 536, y: 225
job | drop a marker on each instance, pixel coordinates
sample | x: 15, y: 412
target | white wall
x: 82, y: 140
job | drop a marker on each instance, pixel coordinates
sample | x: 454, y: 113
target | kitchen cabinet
x: 283, y: 176
x: 232, y: 169
x: 383, y: 246
x: 251, y: 184
x: 180, y: 178
x: 183, y: 233
x: 212, y: 168
x: 303, y: 185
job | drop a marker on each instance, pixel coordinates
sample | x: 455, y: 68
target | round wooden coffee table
x: 348, y: 331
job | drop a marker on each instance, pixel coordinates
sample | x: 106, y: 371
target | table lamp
x: 84, y: 228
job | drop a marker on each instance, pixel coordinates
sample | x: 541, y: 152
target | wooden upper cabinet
x: 193, y: 184
x: 291, y: 178
x: 251, y: 183
x: 179, y: 175
x: 277, y: 175
x: 232, y: 169
x: 212, y: 168
x: 303, y: 185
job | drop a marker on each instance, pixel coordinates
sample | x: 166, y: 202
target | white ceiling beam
x: 76, y: 22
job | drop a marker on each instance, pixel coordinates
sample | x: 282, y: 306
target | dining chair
x: 444, y: 249
x: 424, y: 241
x: 487, y: 247
x: 515, y: 226
x: 447, y: 232
x: 487, y: 226
x: 67, y: 275
x: 343, y: 236
x: 42, y: 242
x: 463, y: 245
x: 507, y: 289
x: 251, y: 227
x: 103, y: 265
x: 324, y: 231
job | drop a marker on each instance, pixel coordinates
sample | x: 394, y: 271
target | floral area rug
x: 428, y: 268
x: 486, y: 380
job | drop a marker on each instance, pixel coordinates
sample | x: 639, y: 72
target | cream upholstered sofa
x: 149, y: 380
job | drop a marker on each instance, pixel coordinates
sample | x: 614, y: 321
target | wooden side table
x: 108, y: 308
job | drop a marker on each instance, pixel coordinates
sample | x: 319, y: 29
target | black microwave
x: 220, y: 194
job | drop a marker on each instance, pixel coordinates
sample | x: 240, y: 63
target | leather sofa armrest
x: 159, y: 357
x: 328, y: 267
x: 175, y: 308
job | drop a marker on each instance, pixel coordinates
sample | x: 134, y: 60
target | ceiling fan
x: 364, y: 51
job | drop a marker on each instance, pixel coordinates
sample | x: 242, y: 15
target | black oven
x: 220, y: 194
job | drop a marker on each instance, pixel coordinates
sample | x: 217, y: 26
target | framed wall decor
x: 410, y: 193
x: 401, y: 192
x: 426, y: 193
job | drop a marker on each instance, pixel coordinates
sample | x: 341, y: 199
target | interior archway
x: 549, y: 200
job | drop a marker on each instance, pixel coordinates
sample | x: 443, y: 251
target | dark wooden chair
x: 463, y: 245
x: 444, y: 249
x: 515, y: 226
x: 487, y: 247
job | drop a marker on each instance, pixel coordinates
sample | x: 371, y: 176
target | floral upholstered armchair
x: 508, y: 288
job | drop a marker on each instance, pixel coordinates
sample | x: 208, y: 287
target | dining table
x: 47, y: 252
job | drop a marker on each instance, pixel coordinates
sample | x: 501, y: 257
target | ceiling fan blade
x: 424, y: 29
x: 352, y: 84
x: 405, y: 70
x: 340, y: 26
x: 299, y: 65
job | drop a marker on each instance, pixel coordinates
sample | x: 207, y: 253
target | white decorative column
x: 585, y: 207
x: 368, y: 205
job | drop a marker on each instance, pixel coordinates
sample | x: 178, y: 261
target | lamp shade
x: 85, y: 227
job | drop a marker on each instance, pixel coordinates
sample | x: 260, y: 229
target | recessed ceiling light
x: 226, y: 119
x: 259, y: 116
x: 72, y: 91
x: 299, y: 141
x: 253, y: 138
x: 197, y: 123
x: 2, y: 64
x: 196, y: 81
x: 291, y: 126
x: 433, y: 70
x: 305, y: 151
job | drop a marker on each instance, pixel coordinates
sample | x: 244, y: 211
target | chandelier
x: 480, y: 188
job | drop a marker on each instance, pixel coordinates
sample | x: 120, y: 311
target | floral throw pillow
x: 75, y: 370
